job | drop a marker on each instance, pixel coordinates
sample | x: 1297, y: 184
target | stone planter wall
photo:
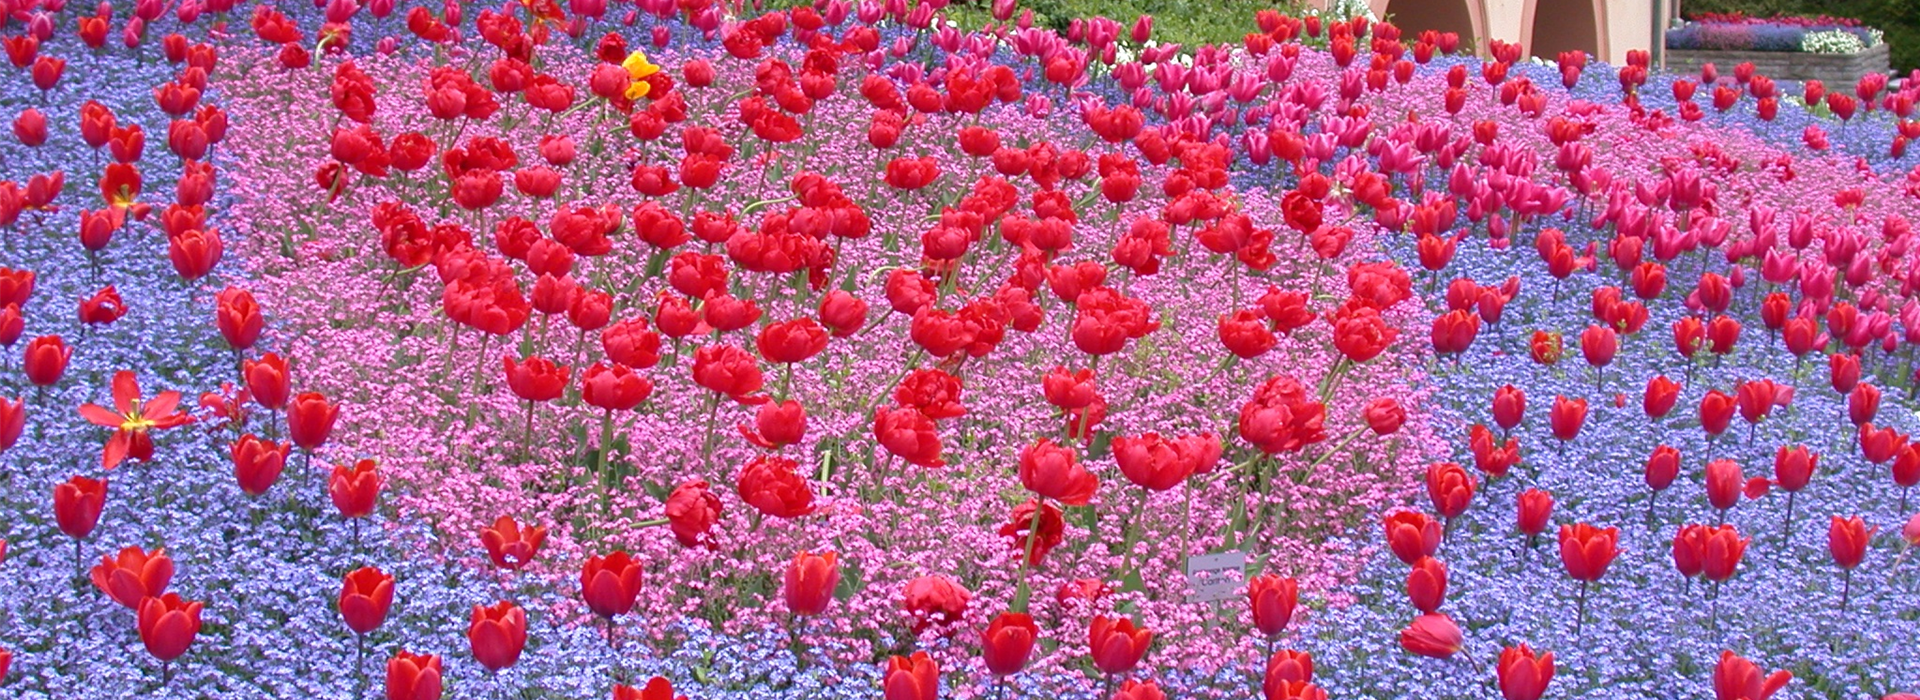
x: 1836, y: 71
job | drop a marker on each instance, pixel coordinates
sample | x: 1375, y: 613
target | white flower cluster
x: 1834, y: 41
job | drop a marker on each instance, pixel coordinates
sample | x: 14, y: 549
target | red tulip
x: 1567, y: 416
x: 613, y: 388
x: 413, y: 677
x: 1509, y: 406
x: 1139, y: 690
x: 1427, y: 584
x: 691, y: 511
x: 774, y: 486
x: 1432, y: 635
x: 537, y: 379
x: 1598, y: 344
x: 1863, y: 403
x: 1724, y: 484
x: 13, y: 421
x: 1847, y: 540
x: 656, y: 689
x: 1535, y: 509
x: 1880, y: 444
x: 1661, y: 468
x: 1735, y: 678
x: 511, y: 546
x: 1152, y: 462
x: 167, y: 625
x: 1661, y: 394
x: 1384, y: 416
x: 1038, y: 520
x: 355, y: 489
x: 257, y: 463
x: 1450, y: 488
x: 1055, y: 472
x: 310, y: 420
x: 77, y: 503
x: 365, y: 596
x: 842, y: 313
x: 1007, y: 643
x: 1524, y: 675
x: 239, y: 319
x: 497, y: 634
x: 1716, y: 412
x: 610, y: 584
x: 1412, y: 535
x: 1286, y: 667
x: 1271, y: 600
x: 133, y: 575
x: 1116, y: 645
x: 810, y: 582
x: 792, y: 341
x: 1587, y: 551
x: 912, y: 678
x: 1722, y: 548
x: 268, y: 381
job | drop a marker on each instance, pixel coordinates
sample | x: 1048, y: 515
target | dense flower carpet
x: 688, y: 349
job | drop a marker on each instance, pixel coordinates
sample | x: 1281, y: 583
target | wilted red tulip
x: 310, y: 420
x: 133, y: 575
x: 1271, y: 600
x: 132, y: 420
x: 413, y: 677
x: 1523, y: 674
x: 257, y: 463
x: 354, y: 490
x: 366, y: 594
x: 1116, y: 645
x: 103, y: 308
x: 510, y: 545
x: 935, y: 600
x: 911, y: 678
x: 497, y: 634
x: 610, y: 584
x: 167, y: 625
x: 810, y: 581
x: 1736, y: 678
x: 1432, y: 635
x: 1007, y: 642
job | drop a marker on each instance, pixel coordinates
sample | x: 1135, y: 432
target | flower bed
x: 647, y: 352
